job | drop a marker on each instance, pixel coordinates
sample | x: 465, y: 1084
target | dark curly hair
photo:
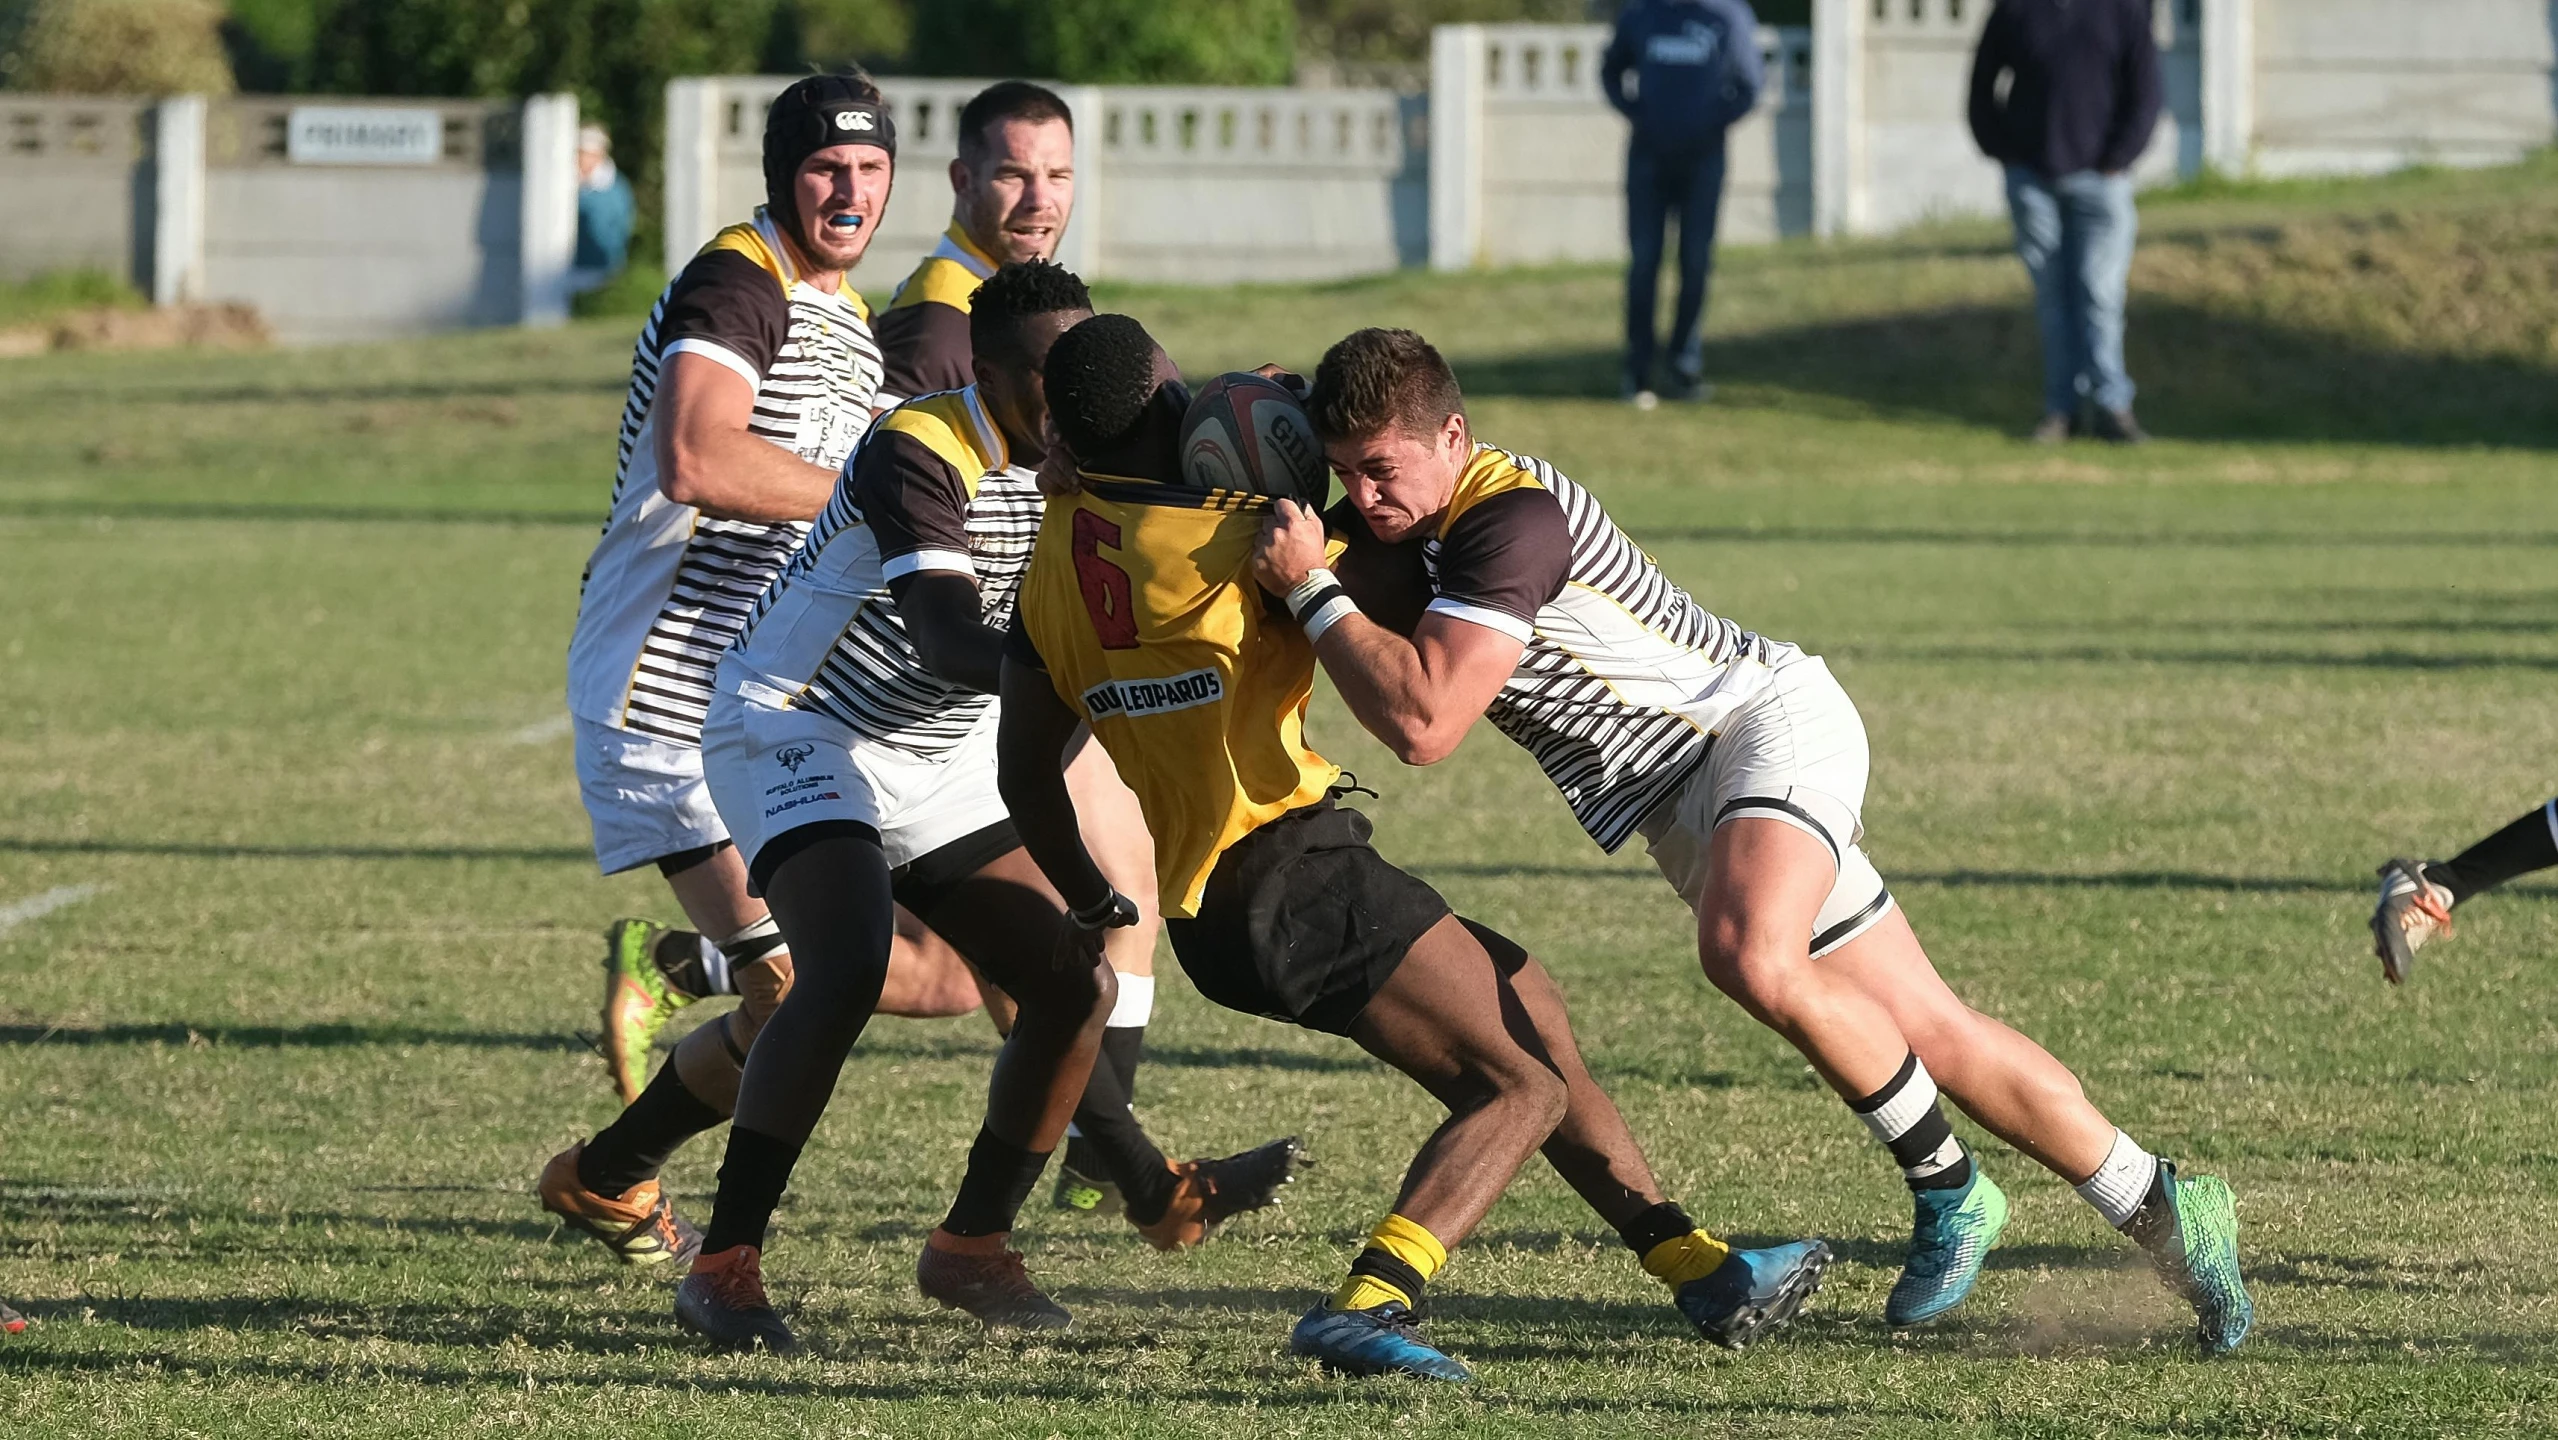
x: 1100, y: 376
x: 1016, y: 293
x: 1374, y: 379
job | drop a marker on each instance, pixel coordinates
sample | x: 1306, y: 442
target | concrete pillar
x: 1839, y: 205
x: 177, y: 200
x: 547, y: 220
x: 1079, y: 249
x: 692, y: 168
x: 2229, y: 85
x: 1457, y: 84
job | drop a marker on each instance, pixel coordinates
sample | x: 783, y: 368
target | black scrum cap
x: 811, y: 115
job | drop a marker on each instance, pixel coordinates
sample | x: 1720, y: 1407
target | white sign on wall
x: 351, y: 135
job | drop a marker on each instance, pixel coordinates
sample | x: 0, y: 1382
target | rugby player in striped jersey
x: 1013, y: 192
x: 1475, y: 582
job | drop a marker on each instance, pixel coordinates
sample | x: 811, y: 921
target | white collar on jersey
x: 989, y: 434
x: 969, y: 260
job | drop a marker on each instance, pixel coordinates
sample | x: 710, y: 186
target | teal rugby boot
x: 1949, y: 1240
x: 1753, y: 1292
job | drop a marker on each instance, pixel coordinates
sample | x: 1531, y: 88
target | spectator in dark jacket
x: 2065, y: 94
x: 1695, y: 69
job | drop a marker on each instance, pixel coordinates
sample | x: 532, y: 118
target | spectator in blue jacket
x: 1695, y: 69
x: 605, y: 212
x: 2065, y: 94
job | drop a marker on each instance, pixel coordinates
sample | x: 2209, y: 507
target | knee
x: 1768, y: 980
x: 1530, y: 1091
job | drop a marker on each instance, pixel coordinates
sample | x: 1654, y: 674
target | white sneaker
x: 2412, y: 911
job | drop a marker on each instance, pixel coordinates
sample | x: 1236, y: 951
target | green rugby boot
x: 1948, y: 1243
x: 638, y: 1002
x: 2190, y: 1229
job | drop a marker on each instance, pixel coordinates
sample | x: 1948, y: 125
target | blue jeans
x: 1656, y: 186
x: 2075, y: 235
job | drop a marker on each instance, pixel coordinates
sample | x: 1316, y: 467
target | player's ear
x: 958, y: 176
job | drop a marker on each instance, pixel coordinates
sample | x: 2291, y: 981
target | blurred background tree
x: 116, y: 47
x: 1178, y: 42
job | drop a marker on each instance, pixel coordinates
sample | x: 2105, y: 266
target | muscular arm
x: 1420, y: 696
x: 708, y: 459
x: 1030, y: 754
x: 946, y: 620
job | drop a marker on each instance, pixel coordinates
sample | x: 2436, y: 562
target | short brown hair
x: 1374, y: 379
x: 1007, y: 100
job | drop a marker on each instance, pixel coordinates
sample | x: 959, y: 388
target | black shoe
x: 2117, y: 427
x: 723, y: 1301
x: 1207, y: 1193
x: 995, y: 1288
x: 1690, y: 388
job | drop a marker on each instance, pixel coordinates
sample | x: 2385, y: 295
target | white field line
x: 36, y: 907
x: 541, y: 732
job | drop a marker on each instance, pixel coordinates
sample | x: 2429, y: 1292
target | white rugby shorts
x: 644, y: 796
x: 1797, y: 755
x: 773, y: 769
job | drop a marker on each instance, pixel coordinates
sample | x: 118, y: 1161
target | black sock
x: 2528, y: 844
x: 1118, y: 1144
x: 999, y: 1178
x: 639, y: 1141
x: 680, y: 960
x: 1648, y: 1231
x: 751, y: 1182
x: 1120, y: 1047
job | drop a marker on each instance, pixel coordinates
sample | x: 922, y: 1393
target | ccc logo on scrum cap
x: 852, y: 120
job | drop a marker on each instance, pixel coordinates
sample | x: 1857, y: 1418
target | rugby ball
x: 1244, y: 432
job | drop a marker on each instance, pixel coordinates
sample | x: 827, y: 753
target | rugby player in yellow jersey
x: 1013, y: 192
x: 1139, y: 617
x: 1473, y: 581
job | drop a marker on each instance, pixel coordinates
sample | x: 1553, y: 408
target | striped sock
x: 1906, y: 1117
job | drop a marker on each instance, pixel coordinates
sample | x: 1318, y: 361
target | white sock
x: 1136, y: 1004
x: 2120, y: 1184
x: 1905, y: 1116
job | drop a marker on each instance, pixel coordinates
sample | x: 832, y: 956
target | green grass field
x: 281, y: 683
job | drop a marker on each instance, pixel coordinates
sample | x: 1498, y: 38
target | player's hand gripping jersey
x: 668, y: 587
x: 1141, y: 606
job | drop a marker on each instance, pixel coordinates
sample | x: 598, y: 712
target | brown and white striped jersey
x: 1624, y: 677
x: 668, y: 588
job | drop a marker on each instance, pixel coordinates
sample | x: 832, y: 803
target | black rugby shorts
x: 1303, y: 921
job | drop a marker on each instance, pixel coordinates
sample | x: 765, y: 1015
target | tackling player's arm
x: 1420, y: 695
x: 917, y: 508
x: 723, y: 327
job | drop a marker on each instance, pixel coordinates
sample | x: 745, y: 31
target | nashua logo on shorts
x: 1154, y: 697
x: 794, y: 756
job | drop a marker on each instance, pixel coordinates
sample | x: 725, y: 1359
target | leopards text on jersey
x: 668, y: 586
x: 1141, y: 607
x: 933, y: 487
x: 1624, y: 676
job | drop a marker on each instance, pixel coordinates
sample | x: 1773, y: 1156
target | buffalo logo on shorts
x: 794, y: 756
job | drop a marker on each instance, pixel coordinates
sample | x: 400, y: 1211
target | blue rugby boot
x: 1950, y: 1239
x: 2190, y: 1229
x: 1753, y: 1292
x: 1380, y: 1341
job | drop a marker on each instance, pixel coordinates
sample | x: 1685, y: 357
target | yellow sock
x: 1405, y: 1249
x: 1692, y: 1256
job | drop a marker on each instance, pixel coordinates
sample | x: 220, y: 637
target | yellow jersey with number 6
x: 1141, y: 605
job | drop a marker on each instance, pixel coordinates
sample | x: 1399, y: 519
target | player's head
x: 1015, y: 176
x: 830, y: 155
x: 1393, y: 425
x: 1116, y: 399
x: 1014, y: 320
